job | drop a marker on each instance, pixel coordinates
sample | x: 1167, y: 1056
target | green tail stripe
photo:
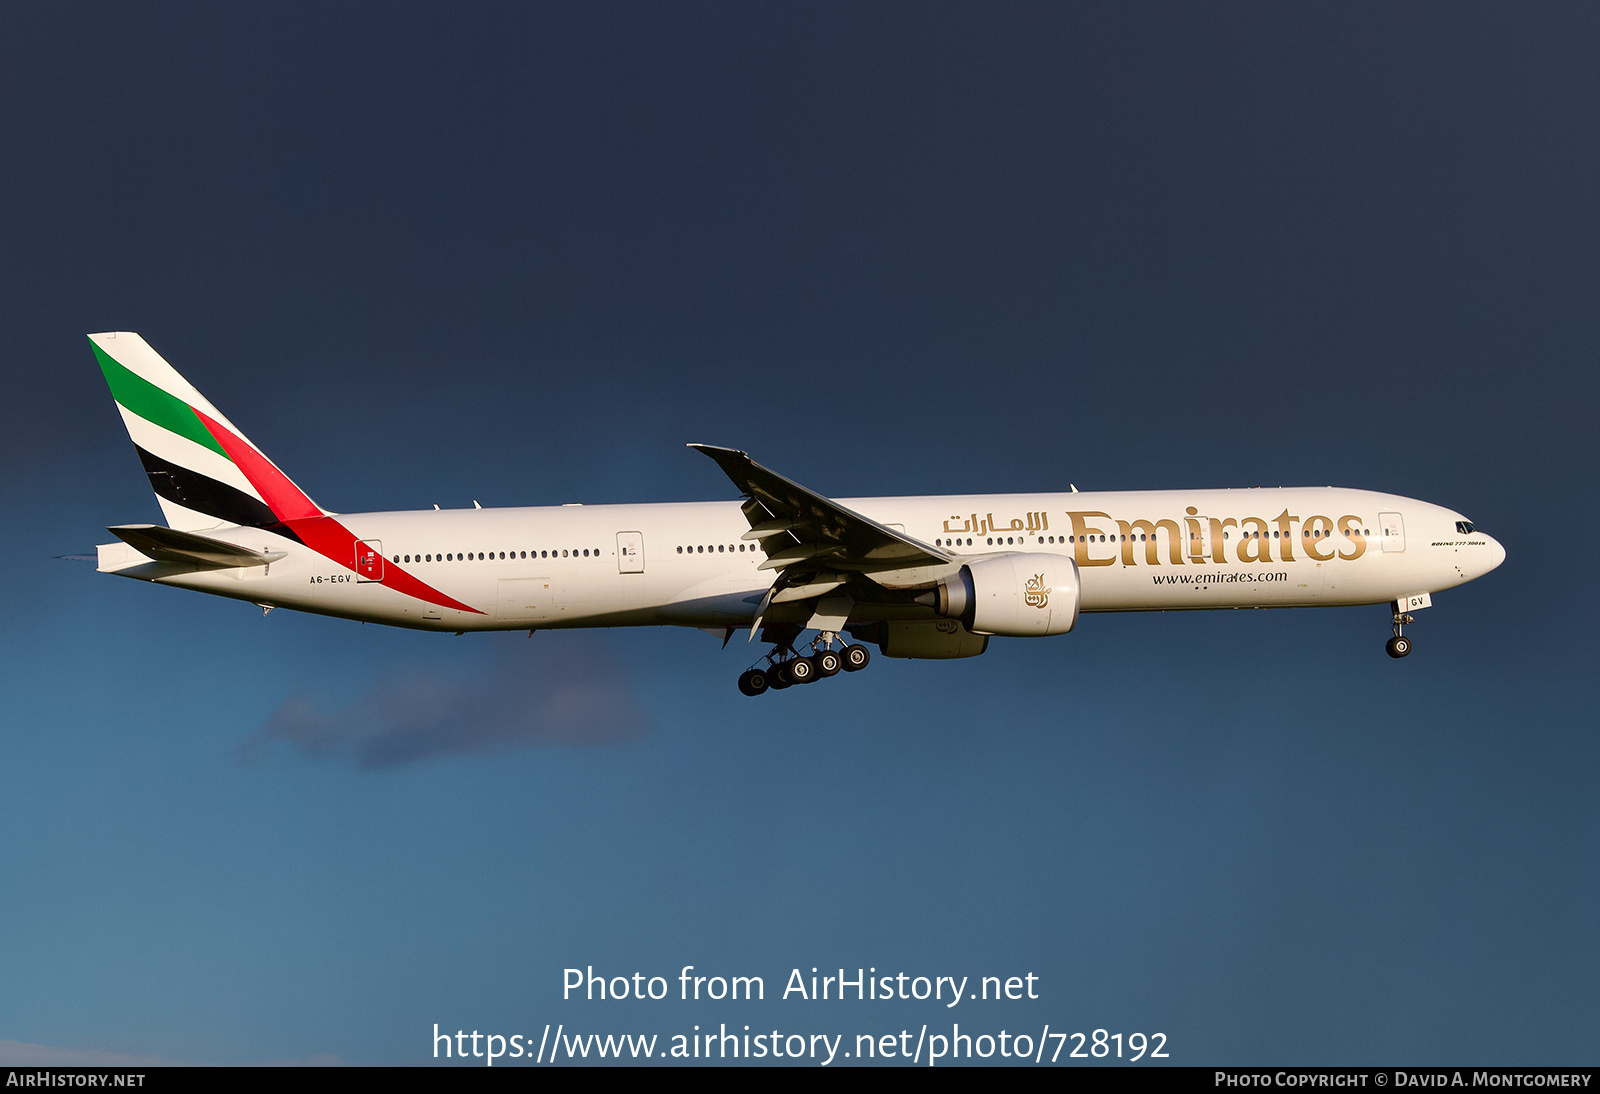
x: 154, y: 405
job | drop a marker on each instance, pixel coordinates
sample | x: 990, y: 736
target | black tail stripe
x: 204, y: 494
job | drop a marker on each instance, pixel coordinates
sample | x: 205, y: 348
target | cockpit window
x: 1464, y: 527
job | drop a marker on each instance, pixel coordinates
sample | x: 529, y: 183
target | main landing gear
x: 1399, y: 645
x: 786, y: 668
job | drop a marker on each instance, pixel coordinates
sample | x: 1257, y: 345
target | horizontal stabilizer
x: 171, y: 545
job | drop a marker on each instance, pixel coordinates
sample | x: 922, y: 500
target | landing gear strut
x: 1399, y: 645
x: 785, y: 667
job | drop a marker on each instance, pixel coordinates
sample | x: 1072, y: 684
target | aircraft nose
x: 1497, y: 554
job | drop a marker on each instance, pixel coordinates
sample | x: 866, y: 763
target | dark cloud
x: 575, y: 696
x: 24, y: 1054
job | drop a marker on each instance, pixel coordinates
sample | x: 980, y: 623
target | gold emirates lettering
x: 1035, y: 594
x: 987, y: 525
x: 1134, y: 541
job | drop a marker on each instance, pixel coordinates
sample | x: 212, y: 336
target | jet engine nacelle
x: 1015, y: 595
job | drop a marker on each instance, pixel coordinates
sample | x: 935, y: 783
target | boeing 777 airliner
x: 921, y: 577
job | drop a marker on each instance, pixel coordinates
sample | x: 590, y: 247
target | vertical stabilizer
x: 205, y: 472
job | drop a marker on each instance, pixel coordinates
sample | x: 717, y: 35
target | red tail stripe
x: 321, y: 533
x: 282, y: 496
x: 327, y: 536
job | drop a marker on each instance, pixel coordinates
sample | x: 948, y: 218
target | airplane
x: 918, y: 577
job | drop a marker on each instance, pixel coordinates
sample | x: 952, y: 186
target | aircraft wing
x: 803, y: 532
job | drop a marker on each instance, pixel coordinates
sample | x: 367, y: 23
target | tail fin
x: 204, y: 471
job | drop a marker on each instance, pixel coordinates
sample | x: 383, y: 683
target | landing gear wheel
x: 799, y: 671
x: 1398, y: 646
x: 827, y: 663
x: 855, y: 658
x: 778, y: 679
x: 753, y: 682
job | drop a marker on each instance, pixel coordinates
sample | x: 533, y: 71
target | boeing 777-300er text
x: 922, y: 577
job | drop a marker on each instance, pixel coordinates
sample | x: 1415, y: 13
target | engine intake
x: 1015, y: 595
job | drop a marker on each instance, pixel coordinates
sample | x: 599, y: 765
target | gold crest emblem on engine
x: 1035, y: 595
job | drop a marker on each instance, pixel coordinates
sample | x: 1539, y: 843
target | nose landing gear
x: 786, y: 668
x: 1399, y: 645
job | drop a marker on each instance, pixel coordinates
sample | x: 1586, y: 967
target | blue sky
x: 522, y: 254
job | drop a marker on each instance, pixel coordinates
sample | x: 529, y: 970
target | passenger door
x: 630, y: 552
x: 369, y: 560
x: 1391, y: 532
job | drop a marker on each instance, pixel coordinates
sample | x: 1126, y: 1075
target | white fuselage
x: 686, y: 563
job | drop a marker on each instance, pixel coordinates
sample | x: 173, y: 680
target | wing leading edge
x: 819, y: 530
x: 814, y: 543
